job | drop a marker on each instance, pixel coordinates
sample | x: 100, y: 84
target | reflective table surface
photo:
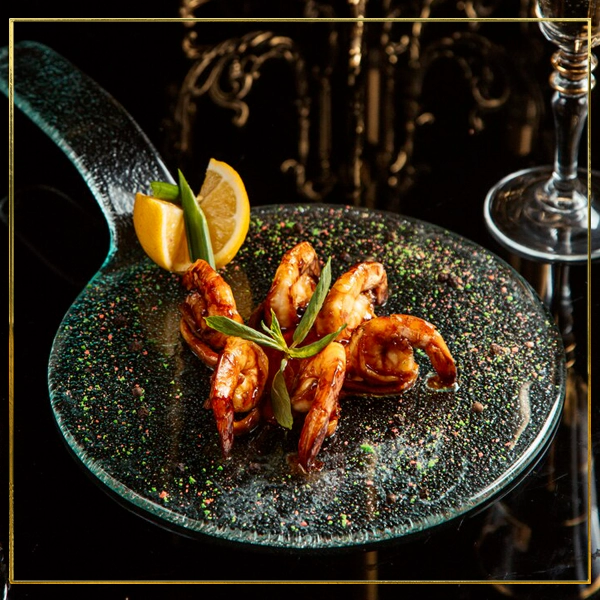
x: 473, y: 109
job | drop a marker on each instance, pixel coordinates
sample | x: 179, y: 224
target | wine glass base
x: 516, y: 219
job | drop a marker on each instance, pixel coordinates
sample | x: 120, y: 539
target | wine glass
x: 543, y: 213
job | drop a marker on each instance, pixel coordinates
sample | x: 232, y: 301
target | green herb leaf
x: 230, y: 327
x: 166, y: 191
x: 276, y: 329
x: 273, y: 338
x: 315, y: 347
x: 280, y: 398
x: 314, y: 306
x: 196, y: 228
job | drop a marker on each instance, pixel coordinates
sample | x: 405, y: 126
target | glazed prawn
x: 351, y: 299
x: 209, y: 295
x: 237, y: 386
x: 380, y: 356
x: 316, y: 391
x: 293, y: 286
x: 372, y: 355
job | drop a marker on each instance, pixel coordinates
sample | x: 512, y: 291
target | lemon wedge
x: 225, y: 204
x: 160, y: 228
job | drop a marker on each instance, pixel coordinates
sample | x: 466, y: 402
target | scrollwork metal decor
x: 385, y: 63
x: 406, y: 57
x: 227, y: 72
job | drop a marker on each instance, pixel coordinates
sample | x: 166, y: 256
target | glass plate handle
x: 97, y: 134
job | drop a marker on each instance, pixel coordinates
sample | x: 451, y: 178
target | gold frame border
x: 11, y: 381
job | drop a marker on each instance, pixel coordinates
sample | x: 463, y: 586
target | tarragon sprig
x: 273, y: 338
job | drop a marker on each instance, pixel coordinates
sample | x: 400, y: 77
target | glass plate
x: 128, y: 394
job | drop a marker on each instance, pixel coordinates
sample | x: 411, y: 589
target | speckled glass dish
x: 128, y: 394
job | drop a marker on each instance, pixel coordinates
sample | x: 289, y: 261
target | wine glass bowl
x: 548, y: 213
x: 570, y: 34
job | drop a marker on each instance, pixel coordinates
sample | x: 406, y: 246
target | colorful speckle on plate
x: 128, y: 394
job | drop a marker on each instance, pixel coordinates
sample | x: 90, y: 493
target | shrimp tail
x: 313, y: 434
x: 227, y: 427
x: 323, y: 415
x: 223, y: 411
x: 248, y: 423
x: 201, y: 349
x: 422, y: 334
x: 237, y: 386
x: 443, y: 364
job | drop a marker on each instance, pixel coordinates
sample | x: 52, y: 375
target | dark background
x: 65, y: 527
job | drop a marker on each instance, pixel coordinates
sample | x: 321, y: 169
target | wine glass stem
x: 570, y: 113
x: 570, y: 108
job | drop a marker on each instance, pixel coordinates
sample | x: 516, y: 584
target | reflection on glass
x: 545, y: 522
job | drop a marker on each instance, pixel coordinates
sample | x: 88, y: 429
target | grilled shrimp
x: 237, y: 386
x: 380, y: 355
x: 316, y: 392
x: 209, y: 295
x: 293, y: 286
x: 351, y: 299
